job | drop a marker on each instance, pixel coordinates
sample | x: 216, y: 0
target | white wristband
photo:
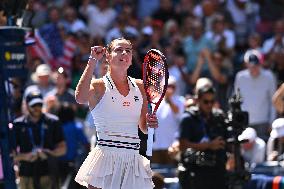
x: 90, y: 57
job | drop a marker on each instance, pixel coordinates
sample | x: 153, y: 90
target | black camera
x: 192, y: 157
x: 236, y: 120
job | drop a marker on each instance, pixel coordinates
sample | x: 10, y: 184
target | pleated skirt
x: 115, y: 168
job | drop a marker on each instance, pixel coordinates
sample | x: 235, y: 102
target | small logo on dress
x: 136, y: 98
x: 126, y: 104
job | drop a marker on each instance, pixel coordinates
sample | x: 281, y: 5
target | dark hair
x: 66, y: 113
x: 110, y: 45
x: 205, y: 90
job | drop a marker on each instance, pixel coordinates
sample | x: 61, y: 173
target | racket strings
x: 156, y: 72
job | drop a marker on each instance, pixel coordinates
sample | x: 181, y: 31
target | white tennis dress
x: 115, y: 162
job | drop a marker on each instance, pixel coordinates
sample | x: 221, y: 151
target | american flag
x: 51, y: 48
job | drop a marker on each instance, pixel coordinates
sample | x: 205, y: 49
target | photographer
x: 202, y: 143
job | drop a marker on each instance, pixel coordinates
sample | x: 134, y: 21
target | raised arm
x: 83, y: 91
x: 215, y: 71
x: 197, y: 70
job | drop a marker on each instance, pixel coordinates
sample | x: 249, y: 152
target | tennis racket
x: 155, y: 79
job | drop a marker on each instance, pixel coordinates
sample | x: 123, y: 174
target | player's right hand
x: 97, y: 52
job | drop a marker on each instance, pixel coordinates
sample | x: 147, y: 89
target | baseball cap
x: 41, y: 70
x: 253, y: 57
x: 201, y: 84
x: 248, y: 134
x: 34, y: 97
x: 277, y: 128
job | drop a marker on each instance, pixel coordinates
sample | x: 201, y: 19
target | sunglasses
x: 208, y: 101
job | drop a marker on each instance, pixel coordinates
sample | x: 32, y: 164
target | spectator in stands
x: 252, y: 148
x: 255, y: 41
x: 100, y: 16
x: 61, y: 89
x: 146, y: 8
x: 165, y: 12
x: 241, y: 16
x: 206, y: 11
x: 257, y: 87
x: 193, y: 45
x: 273, y: 49
x: 218, y: 73
x: 156, y: 38
x: 186, y: 26
x: 169, y: 114
x: 223, y: 37
x: 51, y: 37
x: 275, y: 44
x: 184, y: 8
x: 172, y: 34
x: 120, y: 29
x: 42, y: 80
x: 278, y: 100
x: 72, y: 22
x: 177, y: 69
x: 275, y: 144
x: 39, y: 141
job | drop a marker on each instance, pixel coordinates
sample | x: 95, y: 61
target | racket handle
x: 150, y: 141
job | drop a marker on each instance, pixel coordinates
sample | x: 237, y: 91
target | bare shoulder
x: 139, y: 82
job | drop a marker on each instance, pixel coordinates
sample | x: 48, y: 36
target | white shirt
x: 78, y: 25
x: 268, y: 45
x: 228, y: 34
x: 99, y: 21
x: 117, y: 115
x: 166, y: 133
x: 257, y: 153
x: 257, y: 95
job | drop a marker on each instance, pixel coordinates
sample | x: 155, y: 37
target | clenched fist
x: 97, y: 52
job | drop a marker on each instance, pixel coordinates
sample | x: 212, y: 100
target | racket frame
x: 149, y: 106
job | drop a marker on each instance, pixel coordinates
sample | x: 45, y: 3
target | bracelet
x: 90, y: 57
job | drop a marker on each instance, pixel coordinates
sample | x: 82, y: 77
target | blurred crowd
x: 236, y: 44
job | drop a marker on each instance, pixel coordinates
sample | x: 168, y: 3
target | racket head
x: 155, y: 77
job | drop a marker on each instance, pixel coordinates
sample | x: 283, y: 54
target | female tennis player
x: 118, y: 105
